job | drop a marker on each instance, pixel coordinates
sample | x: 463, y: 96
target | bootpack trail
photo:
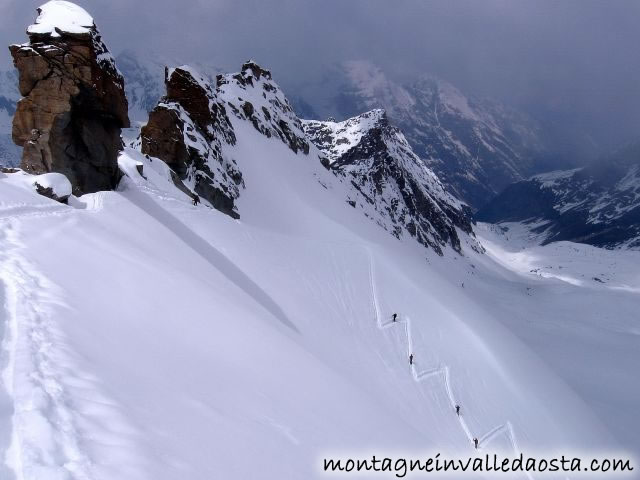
x: 60, y: 416
x: 440, y: 371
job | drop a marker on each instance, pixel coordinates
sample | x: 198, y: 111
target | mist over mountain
x: 476, y: 145
x: 496, y: 49
x: 9, y: 95
x: 598, y: 204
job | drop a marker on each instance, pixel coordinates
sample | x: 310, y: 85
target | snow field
x: 168, y: 341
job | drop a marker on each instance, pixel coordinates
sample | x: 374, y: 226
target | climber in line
x: 411, y: 359
x: 475, y: 443
x: 394, y: 316
x: 458, y: 410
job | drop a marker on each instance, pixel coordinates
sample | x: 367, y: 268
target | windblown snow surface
x: 145, y: 338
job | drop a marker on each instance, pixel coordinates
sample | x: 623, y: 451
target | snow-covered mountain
x: 189, y: 129
x: 386, y: 176
x: 144, y: 336
x: 252, y: 95
x: 476, y: 147
x: 198, y: 341
x: 9, y: 152
x: 598, y: 204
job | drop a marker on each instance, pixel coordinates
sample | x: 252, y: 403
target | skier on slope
x: 411, y: 359
x: 475, y: 443
x: 196, y: 200
x: 458, y: 410
x: 394, y: 316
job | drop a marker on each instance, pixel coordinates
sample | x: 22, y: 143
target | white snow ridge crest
x: 59, y: 416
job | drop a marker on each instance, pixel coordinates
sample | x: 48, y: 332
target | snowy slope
x: 576, y: 305
x: 598, y: 204
x: 144, y: 337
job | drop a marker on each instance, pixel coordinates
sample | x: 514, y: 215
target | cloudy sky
x: 575, y: 60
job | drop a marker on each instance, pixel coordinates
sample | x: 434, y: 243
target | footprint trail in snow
x: 441, y: 371
x: 59, y: 415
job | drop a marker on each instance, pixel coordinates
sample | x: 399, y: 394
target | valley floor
x: 145, y: 338
x: 577, y: 307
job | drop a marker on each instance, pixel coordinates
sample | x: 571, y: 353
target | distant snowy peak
x: 473, y: 146
x: 598, y: 204
x: 253, y: 95
x: 373, y: 88
x: 476, y: 147
x: 448, y: 100
x: 143, y: 85
x: 10, y: 153
x: 335, y: 139
x: 389, y: 182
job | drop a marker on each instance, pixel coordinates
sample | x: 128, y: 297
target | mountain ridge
x: 598, y: 204
x: 476, y: 147
x: 376, y: 160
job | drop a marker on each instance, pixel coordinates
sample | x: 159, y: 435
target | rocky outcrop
x: 389, y: 182
x: 73, y: 106
x: 187, y: 130
x: 253, y: 95
x: 191, y: 124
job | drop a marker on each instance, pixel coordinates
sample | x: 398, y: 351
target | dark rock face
x: 73, y: 107
x: 598, y: 205
x: 187, y: 130
x: 390, y: 182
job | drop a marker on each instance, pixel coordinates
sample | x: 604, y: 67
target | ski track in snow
x: 441, y: 371
x: 54, y: 403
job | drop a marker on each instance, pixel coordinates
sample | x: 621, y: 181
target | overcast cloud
x: 577, y: 59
